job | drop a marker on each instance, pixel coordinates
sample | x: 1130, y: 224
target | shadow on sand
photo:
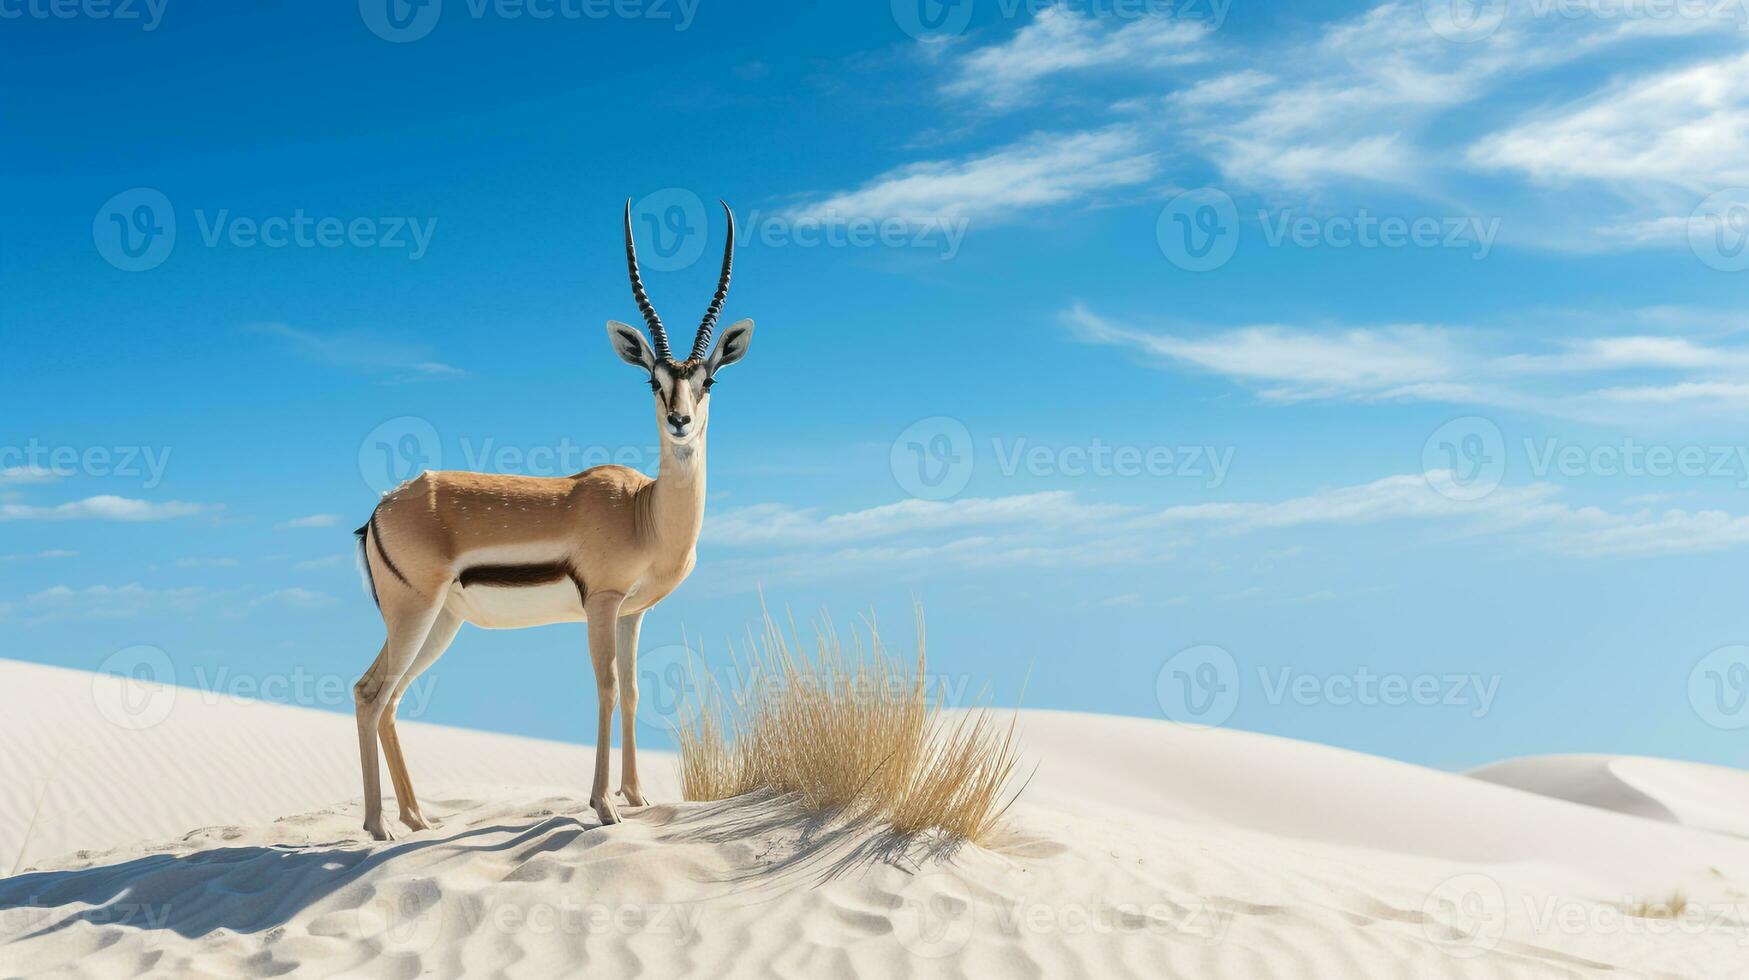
x: 807, y: 849
x: 252, y: 889
x: 243, y: 889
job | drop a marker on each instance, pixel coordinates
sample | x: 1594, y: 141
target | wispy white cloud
x: 1399, y: 497
x: 206, y: 562
x: 780, y: 524
x: 60, y: 603
x: 1714, y: 394
x: 1334, y: 595
x: 935, y: 554
x: 1364, y: 98
x: 40, y: 555
x: 1231, y: 89
x: 401, y: 362
x: 103, y: 508
x: 1652, y: 145
x: 1060, y: 40
x: 1687, y: 127
x: 1040, y: 171
x: 1348, y: 105
x: 313, y: 520
x: 1534, y: 512
x: 1595, y: 533
x: 1630, y: 352
x: 294, y: 598
x: 805, y: 546
x: 1378, y: 102
x: 1295, y: 364
x: 1252, y: 592
x: 26, y: 475
x: 1572, y: 377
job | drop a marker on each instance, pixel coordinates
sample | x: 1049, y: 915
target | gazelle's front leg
x: 602, y: 608
x: 626, y: 657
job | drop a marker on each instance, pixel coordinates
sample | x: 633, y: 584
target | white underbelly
x: 509, y: 607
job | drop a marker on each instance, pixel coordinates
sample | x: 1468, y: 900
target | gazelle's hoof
x: 415, y: 820
x: 377, y: 831
x: 633, y: 797
x: 605, y: 809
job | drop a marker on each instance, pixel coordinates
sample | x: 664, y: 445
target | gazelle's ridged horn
x: 658, y: 333
x: 702, y: 345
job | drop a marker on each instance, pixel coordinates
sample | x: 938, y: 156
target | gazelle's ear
x: 630, y: 345
x: 731, y: 346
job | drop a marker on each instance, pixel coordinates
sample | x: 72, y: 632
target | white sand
x: 1140, y: 848
x: 1692, y: 794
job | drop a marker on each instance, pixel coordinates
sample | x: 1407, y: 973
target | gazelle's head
x: 682, y: 388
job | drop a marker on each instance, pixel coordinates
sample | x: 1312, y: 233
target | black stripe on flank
x: 377, y: 533
x: 519, y: 576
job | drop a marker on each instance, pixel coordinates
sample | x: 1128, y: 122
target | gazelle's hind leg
x: 409, y: 618
x: 626, y: 662
x: 442, y: 634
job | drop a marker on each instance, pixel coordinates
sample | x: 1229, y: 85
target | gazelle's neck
x: 677, y: 496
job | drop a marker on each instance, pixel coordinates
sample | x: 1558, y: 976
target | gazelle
x: 506, y: 552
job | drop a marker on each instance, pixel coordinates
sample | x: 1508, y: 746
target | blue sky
x: 1216, y: 361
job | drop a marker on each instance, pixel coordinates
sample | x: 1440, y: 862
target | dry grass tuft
x: 849, y: 732
x: 959, y: 780
x: 1670, y: 908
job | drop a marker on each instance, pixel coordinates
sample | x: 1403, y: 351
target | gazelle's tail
x: 370, y: 582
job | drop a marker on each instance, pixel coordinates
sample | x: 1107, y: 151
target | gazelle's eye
x: 655, y: 385
x: 708, y: 382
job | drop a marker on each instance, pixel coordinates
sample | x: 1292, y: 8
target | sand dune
x: 1140, y: 848
x: 1692, y: 794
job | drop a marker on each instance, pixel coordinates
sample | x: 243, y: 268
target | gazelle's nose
x: 678, y: 420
